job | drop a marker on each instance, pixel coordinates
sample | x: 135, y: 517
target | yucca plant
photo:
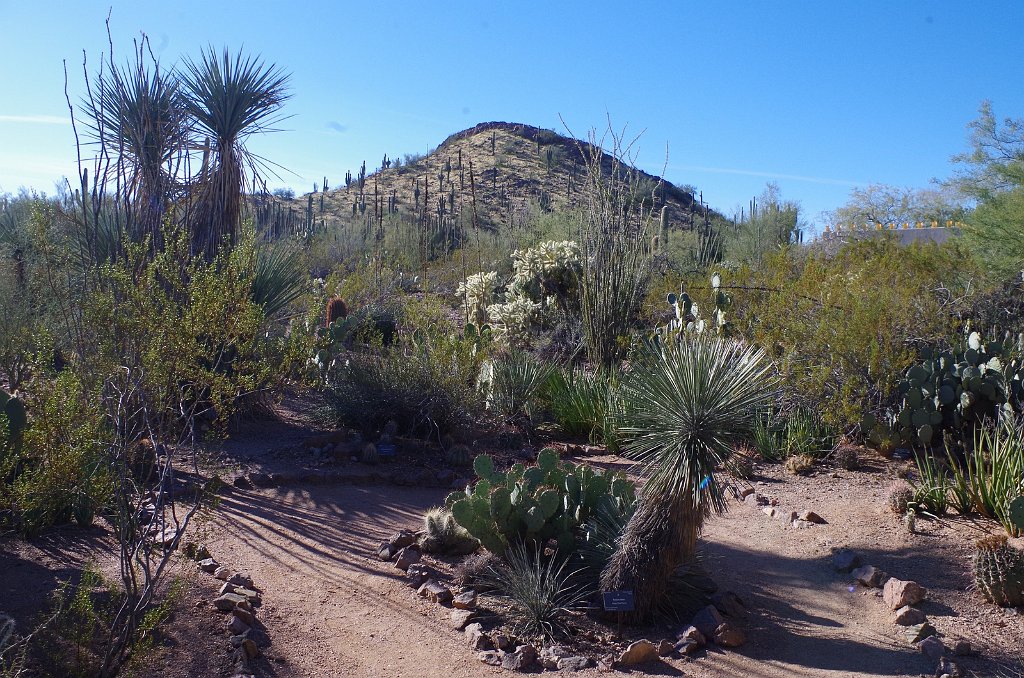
x: 229, y: 98
x: 277, y: 279
x: 540, y: 591
x: 685, y: 405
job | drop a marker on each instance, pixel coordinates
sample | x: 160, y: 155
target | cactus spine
x: 999, y: 572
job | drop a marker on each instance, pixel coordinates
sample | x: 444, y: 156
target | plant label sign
x: 618, y: 601
x: 386, y: 449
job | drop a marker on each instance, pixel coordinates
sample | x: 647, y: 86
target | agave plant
x: 229, y: 98
x: 540, y: 591
x: 684, y: 406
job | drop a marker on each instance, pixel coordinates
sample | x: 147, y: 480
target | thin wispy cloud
x: 36, y: 119
x: 770, y: 175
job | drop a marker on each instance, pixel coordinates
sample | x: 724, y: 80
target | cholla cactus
x: 512, y: 320
x: 478, y: 293
x: 546, y: 271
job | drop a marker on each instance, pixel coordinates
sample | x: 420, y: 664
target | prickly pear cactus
x: 687, y: 313
x: 549, y: 501
x: 1016, y: 514
x: 952, y: 390
x: 999, y: 572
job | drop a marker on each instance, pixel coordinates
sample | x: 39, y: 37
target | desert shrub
x: 799, y: 464
x: 58, y: 472
x: 838, y: 326
x: 428, y: 389
x: 805, y: 434
x: 473, y: 572
x: 514, y: 384
x: 191, y: 327
x: 581, y: 403
x: 541, y: 591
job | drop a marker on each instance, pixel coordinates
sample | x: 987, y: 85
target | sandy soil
x: 332, y: 609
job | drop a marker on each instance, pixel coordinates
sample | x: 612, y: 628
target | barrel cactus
x: 999, y: 572
x: 459, y: 456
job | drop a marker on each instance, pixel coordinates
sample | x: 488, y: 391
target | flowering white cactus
x: 478, y: 293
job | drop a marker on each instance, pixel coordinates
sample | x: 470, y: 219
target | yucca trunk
x: 659, y: 537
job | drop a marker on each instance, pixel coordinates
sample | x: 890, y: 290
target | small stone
x: 243, y: 580
x: 801, y: 524
x: 237, y: 626
x: 770, y: 512
x: 948, y: 668
x: 729, y: 604
x: 639, y: 652
x: 252, y: 596
x: 227, y: 602
x: 686, y: 647
x: 869, y: 576
x: 812, y: 517
x: 465, y: 600
x: 845, y: 560
x: 728, y: 635
x: 385, y: 552
x: 963, y: 648
x: 259, y: 479
x: 227, y: 587
x: 242, y: 483
x: 222, y: 573
x: 707, y: 620
x: 933, y: 647
x: 410, y: 555
x: 501, y: 641
x: 898, y: 593
x: 476, y: 638
x: 208, y: 565
x: 666, y: 647
x: 691, y: 634
x: 490, y: 657
x: 520, y: 659
x: 918, y: 632
x: 549, y: 656
x: 573, y: 663
x: 909, y: 616
x: 435, y: 592
x: 746, y: 492
x: 417, y: 574
x: 461, y: 618
x: 401, y: 539
x: 252, y: 650
x: 786, y: 516
x: 606, y: 663
x: 247, y: 617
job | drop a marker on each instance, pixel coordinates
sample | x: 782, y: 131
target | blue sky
x: 818, y: 96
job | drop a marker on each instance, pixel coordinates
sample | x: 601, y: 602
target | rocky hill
x: 489, y: 176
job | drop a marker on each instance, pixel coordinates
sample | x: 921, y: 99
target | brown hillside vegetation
x: 491, y: 176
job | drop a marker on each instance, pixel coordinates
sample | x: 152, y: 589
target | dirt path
x: 334, y: 610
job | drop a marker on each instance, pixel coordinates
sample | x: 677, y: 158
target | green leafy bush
x: 58, y: 470
x: 838, y: 325
x: 514, y: 384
